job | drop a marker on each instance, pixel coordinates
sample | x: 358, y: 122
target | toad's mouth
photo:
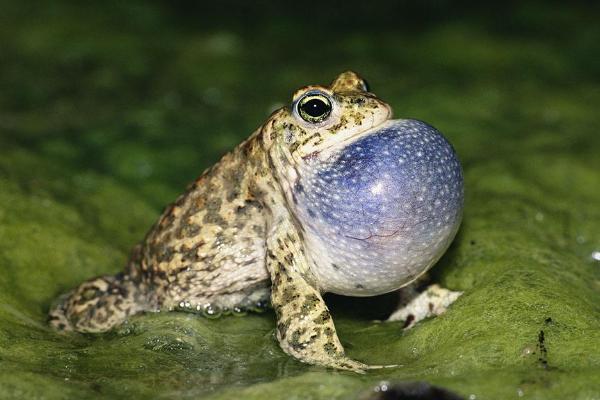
x: 339, y: 142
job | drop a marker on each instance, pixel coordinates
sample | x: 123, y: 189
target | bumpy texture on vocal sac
x: 384, y: 207
x: 329, y: 195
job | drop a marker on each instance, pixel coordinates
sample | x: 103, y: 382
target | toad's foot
x: 99, y: 304
x: 433, y: 301
x: 348, y: 364
x: 305, y: 329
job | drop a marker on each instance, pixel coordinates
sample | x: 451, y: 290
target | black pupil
x: 315, y: 108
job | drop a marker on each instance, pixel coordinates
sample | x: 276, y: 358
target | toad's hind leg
x: 99, y: 304
x: 305, y: 329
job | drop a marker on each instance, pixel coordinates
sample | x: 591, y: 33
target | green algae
x: 108, y: 110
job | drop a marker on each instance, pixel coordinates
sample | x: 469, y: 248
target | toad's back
x: 209, y: 246
x: 205, y: 254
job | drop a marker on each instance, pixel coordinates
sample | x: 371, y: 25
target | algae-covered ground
x: 108, y: 109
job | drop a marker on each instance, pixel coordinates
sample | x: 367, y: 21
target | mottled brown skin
x: 230, y: 241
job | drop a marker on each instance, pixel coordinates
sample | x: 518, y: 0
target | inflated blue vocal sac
x: 382, y: 209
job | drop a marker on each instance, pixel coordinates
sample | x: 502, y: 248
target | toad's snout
x: 381, y: 210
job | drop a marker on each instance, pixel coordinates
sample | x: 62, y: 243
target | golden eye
x: 314, y: 107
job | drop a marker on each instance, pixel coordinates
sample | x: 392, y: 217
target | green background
x: 108, y: 109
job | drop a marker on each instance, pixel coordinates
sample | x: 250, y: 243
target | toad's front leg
x: 305, y: 329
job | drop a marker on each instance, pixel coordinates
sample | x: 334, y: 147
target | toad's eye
x: 314, y: 107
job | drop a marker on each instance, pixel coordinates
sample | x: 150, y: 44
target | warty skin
x: 329, y: 195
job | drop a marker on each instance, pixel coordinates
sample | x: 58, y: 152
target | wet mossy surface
x: 107, y: 110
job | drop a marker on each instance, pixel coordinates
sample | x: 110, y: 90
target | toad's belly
x: 380, y: 211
